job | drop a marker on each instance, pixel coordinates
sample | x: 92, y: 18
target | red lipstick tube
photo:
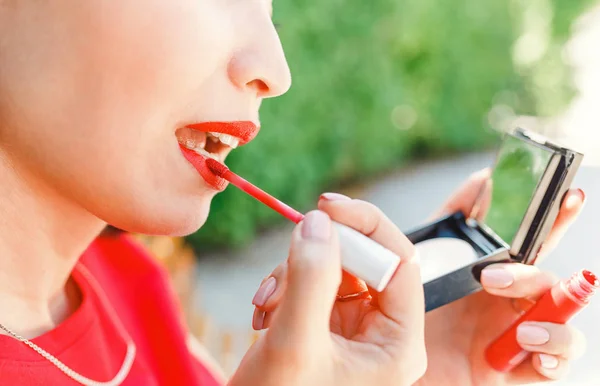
x: 565, y: 299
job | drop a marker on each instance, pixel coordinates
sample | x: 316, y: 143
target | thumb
x: 313, y: 277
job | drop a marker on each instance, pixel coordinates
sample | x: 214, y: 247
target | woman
x: 95, y: 98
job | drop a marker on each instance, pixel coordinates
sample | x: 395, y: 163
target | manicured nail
x: 334, y: 197
x: 258, y: 319
x: 578, y: 197
x: 532, y: 335
x: 548, y: 361
x: 316, y: 225
x: 264, y: 292
x: 497, y: 278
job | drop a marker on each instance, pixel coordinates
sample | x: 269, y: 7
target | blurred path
x: 227, y: 282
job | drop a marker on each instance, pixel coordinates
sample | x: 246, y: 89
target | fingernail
x: 334, y: 197
x: 532, y: 335
x: 496, y: 278
x: 258, y: 319
x: 316, y: 226
x: 548, y: 361
x: 264, y: 292
x: 577, y: 198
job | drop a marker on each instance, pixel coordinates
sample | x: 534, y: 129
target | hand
x: 457, y: 334
x: 314, y: 339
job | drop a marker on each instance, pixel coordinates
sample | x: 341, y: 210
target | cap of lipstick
x: 360, y: 255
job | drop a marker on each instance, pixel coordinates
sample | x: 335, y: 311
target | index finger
x: 403, y: 300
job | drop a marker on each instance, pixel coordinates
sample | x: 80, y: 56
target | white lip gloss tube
x: 365, y: 258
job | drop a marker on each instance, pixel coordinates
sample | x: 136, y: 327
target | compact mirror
x: 521, y: 199
x: 512, y: 217
x: 508, y: 200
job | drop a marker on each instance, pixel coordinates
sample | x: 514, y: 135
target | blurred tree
x: 378, y: 83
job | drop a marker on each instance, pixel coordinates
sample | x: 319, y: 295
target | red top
x: 126, y: 298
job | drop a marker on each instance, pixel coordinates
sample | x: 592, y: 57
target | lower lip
x: 199, y: 163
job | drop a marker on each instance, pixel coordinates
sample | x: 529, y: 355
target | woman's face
x: 95, y: 96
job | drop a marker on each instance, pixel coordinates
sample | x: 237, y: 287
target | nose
x: 261, y: 66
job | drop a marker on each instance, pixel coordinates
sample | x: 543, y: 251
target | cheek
x: 97, y: 115
x: 133, y: 74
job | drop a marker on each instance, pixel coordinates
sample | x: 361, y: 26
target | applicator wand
x: 361, y: 256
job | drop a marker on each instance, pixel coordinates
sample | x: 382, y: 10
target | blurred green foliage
x: 378, y: 83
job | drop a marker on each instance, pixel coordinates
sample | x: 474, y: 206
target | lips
x: 246, y: 131
x: 199, y: 163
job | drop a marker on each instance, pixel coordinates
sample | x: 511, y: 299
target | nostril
x: 259, y: 85
x: 260, y: 76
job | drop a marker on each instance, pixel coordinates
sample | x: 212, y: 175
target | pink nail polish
x: 316, y: 226
x: 548, y: 361
x: 532, y: 335
x: 334, y: 197
x: 258, y: 319
x: 264, y: 292
x: 574, y: 199
x: 496, y: 278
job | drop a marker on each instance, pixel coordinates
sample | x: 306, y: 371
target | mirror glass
x: 505, y: 198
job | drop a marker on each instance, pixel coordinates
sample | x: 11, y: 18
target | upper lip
x: 245, y: 131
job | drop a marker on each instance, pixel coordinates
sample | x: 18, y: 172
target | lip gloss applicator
x: 558, y: 305
x: 361, y: 256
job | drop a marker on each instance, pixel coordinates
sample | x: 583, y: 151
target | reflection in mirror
x: 504, y: 200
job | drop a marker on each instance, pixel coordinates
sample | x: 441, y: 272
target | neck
x: 43, y: 234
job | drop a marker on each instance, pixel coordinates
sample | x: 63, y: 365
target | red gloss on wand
x: 361, y: 256
x: 557, y: 305
x: 252, y: 190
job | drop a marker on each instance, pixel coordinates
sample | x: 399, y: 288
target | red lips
x: 246, y: 131
x: 199, y: 163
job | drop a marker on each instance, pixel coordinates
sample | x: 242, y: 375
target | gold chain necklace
x: 127, y: 362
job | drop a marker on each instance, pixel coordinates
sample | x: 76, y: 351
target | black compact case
x: 513, y: 215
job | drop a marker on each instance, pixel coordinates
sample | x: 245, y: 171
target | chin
x: 166, y: 220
